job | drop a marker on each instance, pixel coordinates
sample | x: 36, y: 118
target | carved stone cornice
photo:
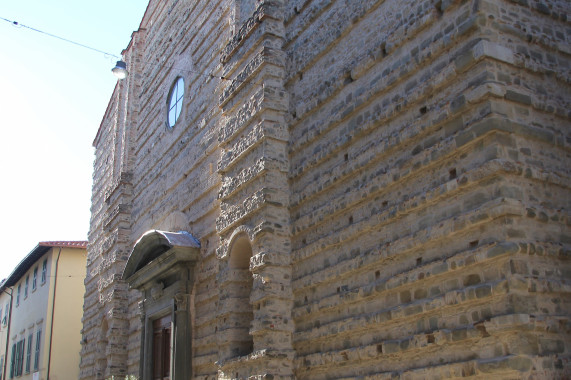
x: 182, y: 300
x: 158, y: 254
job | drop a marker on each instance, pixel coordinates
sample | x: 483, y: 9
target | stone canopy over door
x: 161, y: 266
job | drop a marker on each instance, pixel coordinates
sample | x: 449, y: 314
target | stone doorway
x: 161, y: 266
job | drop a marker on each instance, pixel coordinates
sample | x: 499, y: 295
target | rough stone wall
x: 400, y: 170
x: 172, y: 183
x: 430, y: 188
x: 176, y: 185
x: 254, y: 196
x: 106, y: 312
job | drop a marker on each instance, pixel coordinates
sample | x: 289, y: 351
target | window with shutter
x: 20, y: 357
x: 17, y: 361
x: 37, y: 353
x: 13, y: 361
x: 29, y: 353
x: 5, y: 319
x: 35, y: 279
x: 44, y: 271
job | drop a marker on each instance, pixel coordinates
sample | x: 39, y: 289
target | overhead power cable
x: 16, y: 23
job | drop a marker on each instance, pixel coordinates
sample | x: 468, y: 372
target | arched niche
x: 161, y: 266
x: 240, y: 252
x: 101, y: 358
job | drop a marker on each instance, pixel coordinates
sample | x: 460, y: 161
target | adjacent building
x: 42, y: 303
x: 5, y: 304
x: 335, y: 189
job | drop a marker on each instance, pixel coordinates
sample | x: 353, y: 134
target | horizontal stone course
x: 399, y: 172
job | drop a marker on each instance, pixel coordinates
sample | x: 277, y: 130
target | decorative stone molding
x: 157, y: 291
x: 182, y: 301
x: 159, y: 267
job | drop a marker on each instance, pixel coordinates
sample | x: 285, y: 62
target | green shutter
x: 21, y: 362
x: 29, y: 354
x: 12, y: 359
x: 37, y: 353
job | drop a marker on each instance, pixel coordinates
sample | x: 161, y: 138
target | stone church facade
x: 335, y: 189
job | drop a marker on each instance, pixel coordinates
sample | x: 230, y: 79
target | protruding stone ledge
x: 204, y: 360
x: 262, y: 364
x: 241, y: 117
x: 115, y: 236
x: 271, y: 290
x: 113, y: 218
x: 510, y: 366
x: 125, y: 179
x: 404, y: 313
x: 228, y: 276
x: 228, y: 306
x: 233, y: 214
x: 268, y: 9
x: 482, y: 50
x: 266, y: 56
x: 268, y: 143
x: 271, y: 324
x: 389, y: 280
x: 388, y: 348
x: 243, y: 177
x: 264, y: 259
x: 494, y: 208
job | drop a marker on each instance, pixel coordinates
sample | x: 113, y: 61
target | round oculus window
x: 175, y: 101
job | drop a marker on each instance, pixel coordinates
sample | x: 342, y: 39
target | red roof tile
x: 35, y: 255
x: 63, y: 244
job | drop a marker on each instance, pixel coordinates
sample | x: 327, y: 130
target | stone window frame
x: 180, y: 116
x: 161, y: 266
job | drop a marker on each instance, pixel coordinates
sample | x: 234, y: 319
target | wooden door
x: 162, y: 348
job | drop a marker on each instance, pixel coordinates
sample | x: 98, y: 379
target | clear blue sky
x: 53, y: 96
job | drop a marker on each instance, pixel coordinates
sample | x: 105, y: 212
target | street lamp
x: 120, y: 70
